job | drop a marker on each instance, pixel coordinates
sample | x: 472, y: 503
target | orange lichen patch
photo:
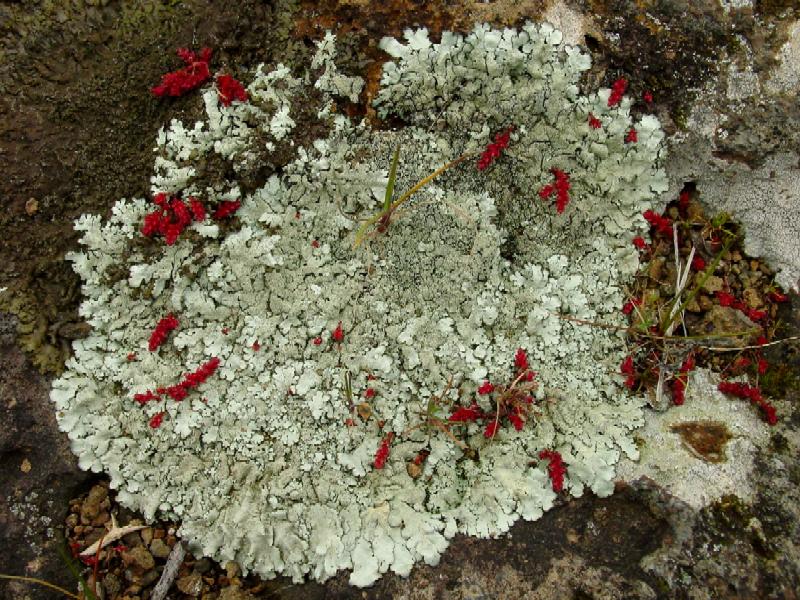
x: 704, y: 439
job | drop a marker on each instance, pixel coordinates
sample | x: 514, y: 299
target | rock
x: 91, y: 506
x: 112, y: 585
x: 147, y: 535
x: 101, y: 519
x: 159, y: 548
x: 232, y: 569
x: 234, y: 592
x: 705, y: 302
x: 139, y: 558
x: 149, y: 577
x: 191, y: 585
x: 414, y: 470
x: 31, y: 206
x: 203, y: 566
x: 752, y: 298
x: 713, y: 284
x: 723, y: 321
x: 692, y: 306
x: 656, y: 268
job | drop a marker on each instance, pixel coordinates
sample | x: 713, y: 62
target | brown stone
x: 147, y: 535
x: 414, y: 470
x: 101, y: 519
x: 722, y: 321
x: 234, y: 592
x: 91, y: 506
x: 713, y: 284
x: 139, y: 558
x: 705, y: 302
x: 752, y: 298
x: 191, y: 584
x: 159, y: 549
x: 31, y: 206
x: 704, y: 439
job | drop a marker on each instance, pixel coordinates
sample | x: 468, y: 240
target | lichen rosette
x: 264, y: 461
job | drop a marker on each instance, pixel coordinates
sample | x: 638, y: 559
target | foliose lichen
x: 295, y: 491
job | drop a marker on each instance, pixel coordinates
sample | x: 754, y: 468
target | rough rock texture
x: 80, y: 65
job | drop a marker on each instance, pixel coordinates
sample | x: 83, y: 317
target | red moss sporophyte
x: 193, y: 75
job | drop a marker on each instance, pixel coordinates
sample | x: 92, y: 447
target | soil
x: 77, y: 124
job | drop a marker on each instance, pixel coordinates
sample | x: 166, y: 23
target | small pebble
x: 139, y: 557
x: 191, y: 584
x: 159, y: 549
x: 147, y: 535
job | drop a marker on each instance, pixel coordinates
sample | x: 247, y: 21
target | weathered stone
x: 159, y: 548
x: 723, y: 321
x: 91, y: 506
x: 191, y: 584
x: 147, y: 535
x: 234, y: 592
x: 139, y: 558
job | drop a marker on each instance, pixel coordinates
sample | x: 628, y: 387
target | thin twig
x: 40, y: 582
x: 757, y: 347
x: 171, y: 569
x: 112, y: 536
x: 665, y: 338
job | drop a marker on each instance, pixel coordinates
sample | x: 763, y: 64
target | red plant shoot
x: 555, y: 468
x: 383, y: 451
x: 617, y: 91
x: 161, y: 332
x: 495, y: 149
x: 226, y: 208
x: 157, y: 419
x: 560, y: 187
x: 193, y: 75
x: 229, y: 89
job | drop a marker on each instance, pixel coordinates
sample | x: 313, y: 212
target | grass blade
x: 387, y: 198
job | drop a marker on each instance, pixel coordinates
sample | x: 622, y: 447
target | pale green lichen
x: 295, y: 491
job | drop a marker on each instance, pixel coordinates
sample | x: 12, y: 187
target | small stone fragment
x: 752, y: 298
x: 232, y: 569
x: 147, y: 535
x: 112, y: 585
x: 713, y: 284
x: 704, y: 439
x: 203, y: 566
x: 31, y: 206
x: 101, y: 519
x: 191, y: 584
x: 159, y: 549
x: 364, y: 411
x: 723, y: 321
x: 139, y: 557
x: 414, y: 470
x: 91, y: 506
x: 234, y: 592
